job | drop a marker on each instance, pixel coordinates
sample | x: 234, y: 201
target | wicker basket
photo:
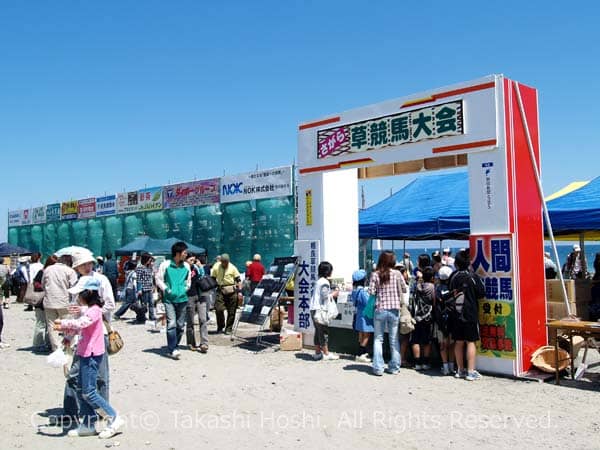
x: 543, y: 359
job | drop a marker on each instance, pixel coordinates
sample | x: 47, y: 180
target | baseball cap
x: 85, y: 283
x: 445, y: 272
x: 358, y: 275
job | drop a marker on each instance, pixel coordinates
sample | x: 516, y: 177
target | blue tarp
x: 432, y: 207
x: 577, y: 211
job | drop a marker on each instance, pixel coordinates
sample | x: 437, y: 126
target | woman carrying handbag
x: 319, y: 305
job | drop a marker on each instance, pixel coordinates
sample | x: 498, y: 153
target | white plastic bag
x: 57, y: 358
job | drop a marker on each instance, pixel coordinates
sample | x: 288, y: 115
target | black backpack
x: 471, y: 286
x: 421, y: 309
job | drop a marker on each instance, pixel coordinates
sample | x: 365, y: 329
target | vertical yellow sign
x: 309, y: 215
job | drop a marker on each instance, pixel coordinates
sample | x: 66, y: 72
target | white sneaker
x: 112, y: 429
x: 81, y: 431
x: 363, y: 358
x: 473, y: 376
x: 445, y: 370
x: 175, y: 354
x: 317, y: 356
x: 426, y: 367
x: 4, y: 345
x: 418, y: 366
x: 330, y: 357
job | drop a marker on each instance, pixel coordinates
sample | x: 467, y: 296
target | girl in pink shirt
x: 90, y: 350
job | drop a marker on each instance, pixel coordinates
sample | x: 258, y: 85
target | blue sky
x: 103, y: 96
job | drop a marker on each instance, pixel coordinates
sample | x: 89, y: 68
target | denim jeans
x: 92, y: 404
x: 129, y: 300
x: 386, y: 318
x: 148, y: 300
x: 176, y: 316
x: 197, y: 307
x: 72, y: 393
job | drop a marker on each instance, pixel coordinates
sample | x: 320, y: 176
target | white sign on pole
x: 308, y: 253
x: 267, y: 183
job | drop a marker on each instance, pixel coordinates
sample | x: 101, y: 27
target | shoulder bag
x: 115, y: 341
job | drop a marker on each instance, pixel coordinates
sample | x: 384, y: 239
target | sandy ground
x: 235, y: 397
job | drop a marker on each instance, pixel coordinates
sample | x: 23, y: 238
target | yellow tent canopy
x: 589, y: 235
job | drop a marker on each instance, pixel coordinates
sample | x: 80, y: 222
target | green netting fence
x: 240, y: 229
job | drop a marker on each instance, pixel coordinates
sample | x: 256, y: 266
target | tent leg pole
x: 541, y: 192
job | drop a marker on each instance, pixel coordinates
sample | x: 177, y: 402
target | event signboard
x: 493, y: 262
x: 408, y: 127
x: 38, y: 215
x: 267, y: 183
x: 150, y: 199
x: 86, y: 208
x: 53, y: 212
x: 195, y: 193
x: 308, y: 253
x: 14, y: 218
x: 127, y: 202
x: 106, y: 206
x: 69, y: 210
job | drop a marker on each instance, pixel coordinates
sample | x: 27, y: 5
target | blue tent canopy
x: 7, y: 249
x: 577, y: 211
x: 432, y: 207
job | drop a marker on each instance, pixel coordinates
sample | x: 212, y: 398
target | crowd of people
x: 73, y: 296
x: 436, y: 301
x: 433, y: 303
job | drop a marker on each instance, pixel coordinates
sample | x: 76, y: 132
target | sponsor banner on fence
x: 69, y: 210
x: 86, y: 208
x: 266, y: 183
x: 205, y: 192
x: 38, y: 215
x: 106, y: 206
x: 14, y: 218
x: 150, y: 199
x: 26, y: 217
x: 493, y: 262
x: 127, y: 202
x: 53, y: 212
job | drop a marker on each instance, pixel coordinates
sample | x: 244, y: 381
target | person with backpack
x: 420, y: 338
x: 196, y: 340
x: 441, y: 319
x: 467, y: 289
x: 19, y: 280
x: 363, y: 325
